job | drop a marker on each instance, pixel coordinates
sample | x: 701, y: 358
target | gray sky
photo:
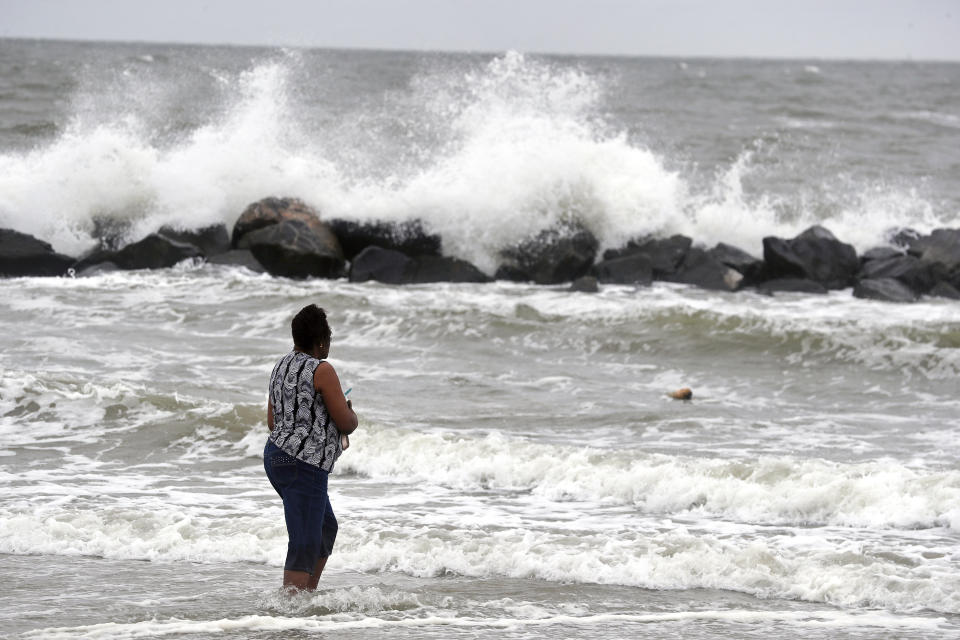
x: 885, y: 29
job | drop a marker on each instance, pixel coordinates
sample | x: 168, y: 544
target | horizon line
x: 666, y: 56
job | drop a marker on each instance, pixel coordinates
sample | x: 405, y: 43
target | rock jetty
x: 286, y: 237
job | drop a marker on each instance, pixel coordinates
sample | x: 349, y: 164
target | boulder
x: 96, y: 269
x: 912, y: 272
x: 443, y: 269
x: 945, y: 290
x: 238, y: 258
x: 942, y: 246
x: 395, y: 267
x: 271, y: 211
x: 93, y: 258
x: 701, y: 269
x: 585, y: 284
x: 665, y: 254
x: 210, y: 240
x: 748, y: 266
x: 815, y: 254
x: 408, y: 237
x: 633, y: 269
x: 511, y: 273
x: 23, y: 255
x: 297, y: 249
x: 383, y: 265
x: 560, y: 254
x: 886, y: 289
x: 791, y: 285
x: 153, y: 252
x: 881, y: 253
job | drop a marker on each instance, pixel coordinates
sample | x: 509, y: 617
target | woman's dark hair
x: 310, y: 328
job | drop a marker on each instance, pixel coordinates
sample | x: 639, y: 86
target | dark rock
x: 511, y: 273
x: 443, y: 269
x: 95, y: 257
x: 271, y: 211
x: 881, y: 253
x: 395, y: 267
x: 23, y: 255
x: 383, y: 265
x: 942, y: 246
x: 634, y: 269
x: 886, y: 289
x: 97, y: 269
x: 238, y: 258
x: 748, y: 266
x: 585, y: 284
x: 815, y: 254
x: 297, y: 249
x: 408, y: 237
x: 556, y: 255
x: 912, y: 272
x: 210, y: 240
x: 945, y: 290
x: 665, y: 254
x: 701, y: 269
x: 791, y: 285
x: 153, y: 252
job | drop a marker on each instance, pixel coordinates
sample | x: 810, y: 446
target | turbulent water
x: 518, y: 469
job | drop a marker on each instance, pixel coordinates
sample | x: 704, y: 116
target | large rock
x: 271, y: 211
x: 790, y: 285
x: 701, y: 269
x: 395, y: 267
x: 945, y: 290
x: 880, y: 253
x: 23, y: 255
x: 382, y: 265
x: 665, y: 254
x: 238, y: 258
x: 444, y: 269
x: 912, y: 272
x: 585, y: 284
x: 632, y: 269
x: 745, y: 264
x: 815, y: 254
x: 210, y: 240
x: 408, y: 237
x: 942, y: 246
x: 153, y: 252
x: 886, y: 289
x: 297, y: 249
x: 555, y: 255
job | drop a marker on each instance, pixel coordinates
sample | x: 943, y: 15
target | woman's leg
x: 297, y: 579
x: 317, y: 570
x: 329, y: 534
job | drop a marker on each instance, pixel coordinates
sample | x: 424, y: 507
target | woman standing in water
x: 307, y: 412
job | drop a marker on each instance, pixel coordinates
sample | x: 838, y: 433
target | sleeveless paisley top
x: 302, y: 426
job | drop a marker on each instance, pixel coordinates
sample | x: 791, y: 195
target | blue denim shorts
x: 311, y: 525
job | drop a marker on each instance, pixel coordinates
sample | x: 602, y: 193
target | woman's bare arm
x: 327, y: 382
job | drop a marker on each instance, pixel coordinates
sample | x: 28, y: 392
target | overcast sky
x: 885, y: 29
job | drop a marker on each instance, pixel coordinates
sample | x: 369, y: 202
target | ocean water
x: 518, y: 470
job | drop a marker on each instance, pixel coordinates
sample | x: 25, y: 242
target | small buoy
x: 681, y: 394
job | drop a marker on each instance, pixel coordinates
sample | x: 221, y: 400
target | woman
x: 306, y: 412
